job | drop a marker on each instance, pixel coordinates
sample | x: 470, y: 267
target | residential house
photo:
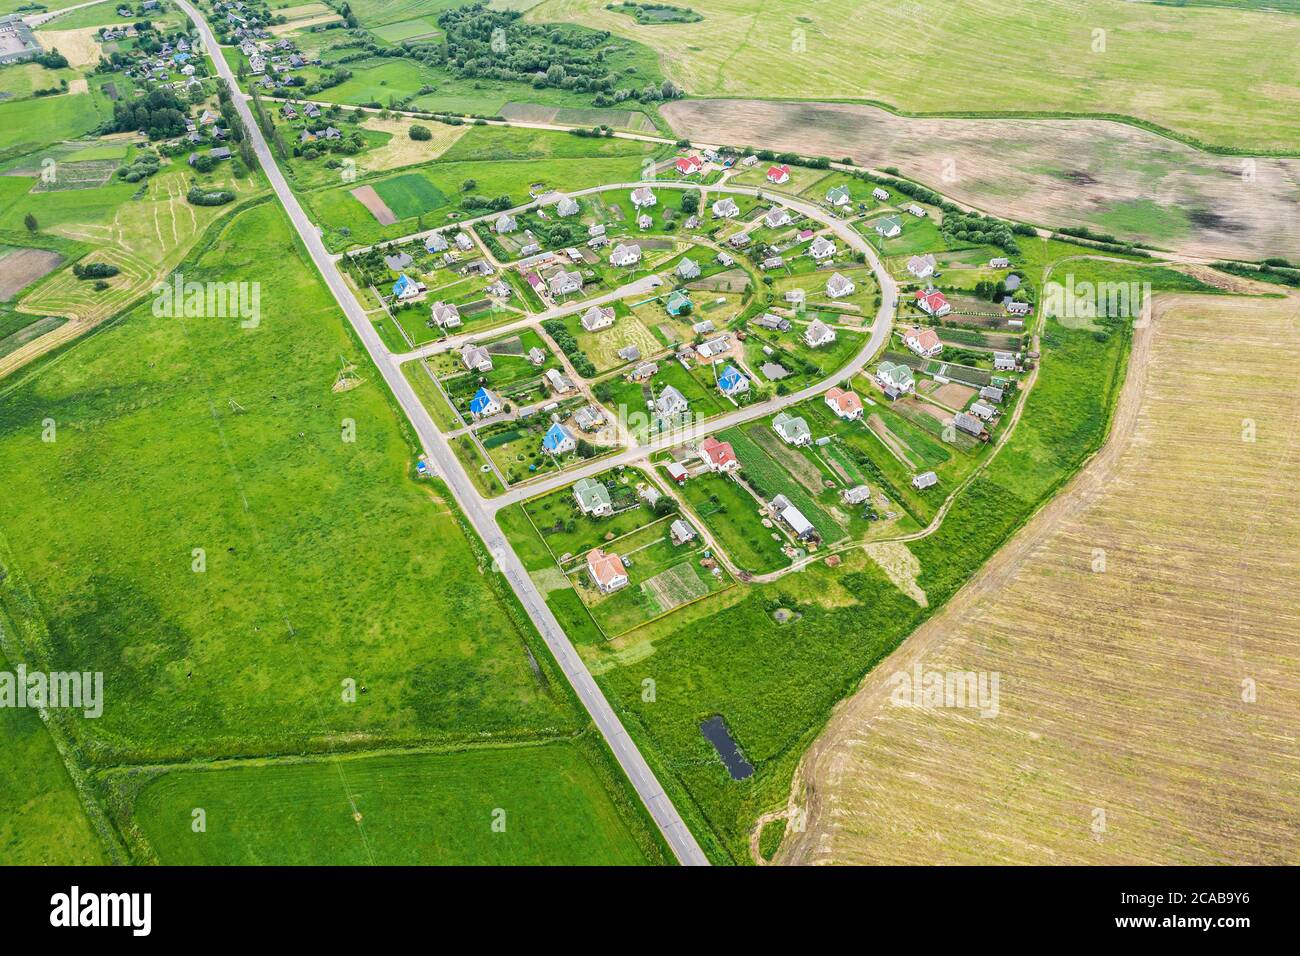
x: 933, y: 302
x: 821, y: 249
x: 670, y: 403
x: 689, y: 165
x: 688, y: 268
x: 921, y: 266
x: 559, y: 440
x: 1004, y: 362
x: 625, y: 255
x: 847, y: 405
x: 889, y: 227
x: 732, y: 382
x: 568, y: 206
x: 983, y: 410
x: 739, y: 240
x: 881, y: 195
x: 644, y: 222
x: 445, y: 315
x: 463, y: 242
x: 916, y: 210
x: 771, y: 262
x: 719, y: 456
x: 644, y: 372
x: 484, y: 403
x: 703, y: 328
x: 777, y: 217
x: 725, y: 260
x: 597, y: 317
x: 606, y: 570
x: 895, y: 377
x: 407, y: 288
x: 500, y: 289
x: 643, y: 197
x: 725, y: 208
x: 596, y: 231
x: 436, y: 242
x: 924, y: 342
x: 593, y: 498
x: 926, y: 479
x: 629, y: 353
x: 397, y: 262
x: 476, y: 358
x: 992, y: 394
x: 536, y: 356
x: 793, y: 431
x: 838, y: 196
x: 505, y: 223
x: 564, y: 283
x: 1018, y: 308
x: 778, y: 175
x: 679, y: 303
x: 818, y: 333
x: 838, y: 286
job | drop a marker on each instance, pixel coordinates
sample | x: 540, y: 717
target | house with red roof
x: 932, y: 302
x: 719, y: 456
x: 606, y: 570
x: 778, y: 174
x: 845, y: 404
x: 689, y: 165
x: 924, y: 342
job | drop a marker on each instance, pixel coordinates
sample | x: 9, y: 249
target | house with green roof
x: 679, y: 303
x: 793, y: 431
x: 593, y: 498
x: 839, y: 196
x: 895, y: 378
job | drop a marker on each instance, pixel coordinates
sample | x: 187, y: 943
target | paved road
x: 661, y: 809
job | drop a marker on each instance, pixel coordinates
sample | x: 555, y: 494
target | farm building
x: 644, y: 222
x: 677, y: 473
x: 968, y: 424
x: 398, y: 261
x: 882, y: 195
x: 681, y: 532
x: 1004, y: 362
x: 644, y: 372
x: 992, y: 394
x: 773, y: 322
x: 926, y: 479
x: 557, y: 381
x: 856, y: 495
x: 916, y: 210
x: 999, y: 262
x: 629, y: 353
x: 793, y: 518
x: 982, y: 410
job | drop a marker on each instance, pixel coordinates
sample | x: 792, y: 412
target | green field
x: 731, y: 513
x: 410, y: 195
x: 26, y: 125
x: 396, y: 810
x: 1197, y: 70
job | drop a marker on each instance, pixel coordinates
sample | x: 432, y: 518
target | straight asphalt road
x: 660, y: 807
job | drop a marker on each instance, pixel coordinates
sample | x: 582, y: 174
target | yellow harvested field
x: 78, y: 45
x: 401, y: 150
x: 1146, y: 634
x: 280, y: 29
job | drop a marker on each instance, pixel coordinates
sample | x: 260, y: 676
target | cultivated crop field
x: 1107, y: 176
x: 1225, y: 76
x: 1130, y: 625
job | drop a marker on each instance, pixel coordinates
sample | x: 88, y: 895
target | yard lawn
x: 661, y: 575
x: 770, y: 478
x: 556, y: 800
x: 803, y: 179
x: 733, y: 517
x: 602, y: 346
x: 566, y: 530
x: 628, y: 398
x: 476, y: 466
x: 804, y: 363
x: 434, y: 403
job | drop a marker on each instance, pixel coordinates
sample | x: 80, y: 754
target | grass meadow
x: 1196, y: 70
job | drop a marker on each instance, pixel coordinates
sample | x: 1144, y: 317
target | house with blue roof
x: 406, y: 288
x: 732, y: 382
x: 559, y: 440
x: 484, y: 403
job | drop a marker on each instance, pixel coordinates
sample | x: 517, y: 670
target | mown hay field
x: 1145, y: 629
x: 1224, y: 76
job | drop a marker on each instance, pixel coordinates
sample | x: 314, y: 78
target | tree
x: 419, y: 132
x: 30, y: 222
